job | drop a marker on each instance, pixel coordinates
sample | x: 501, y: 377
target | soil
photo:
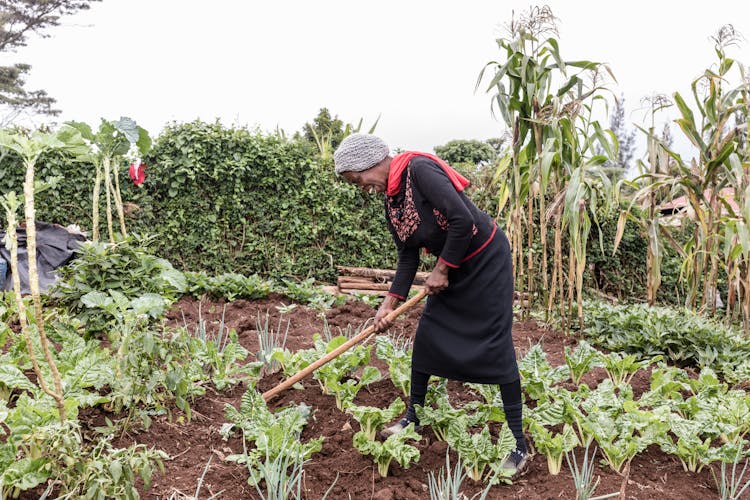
x: 192, y: 444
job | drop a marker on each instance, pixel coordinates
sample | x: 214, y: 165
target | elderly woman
x: 465, y: 330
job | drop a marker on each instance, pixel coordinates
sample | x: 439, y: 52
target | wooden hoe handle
x: 364, y: 335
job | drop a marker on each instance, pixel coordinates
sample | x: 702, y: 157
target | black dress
x: 465, y: 332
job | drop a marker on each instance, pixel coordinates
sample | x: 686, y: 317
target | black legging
x: 512, y: 404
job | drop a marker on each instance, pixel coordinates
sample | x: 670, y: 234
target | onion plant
x: 583, y: 476
x: 446, y: 484
x: 270, y: 340
x: 730, y: 482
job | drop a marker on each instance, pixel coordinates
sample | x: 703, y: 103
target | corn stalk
x: 717, y: 127
x: 539, y: 101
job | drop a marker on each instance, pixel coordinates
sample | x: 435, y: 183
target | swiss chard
x: 581, y: 360
x: 553, y: 445
x: 398, y: 357
x: 477, y: 451
x: 393, y: 448
x: 372, y: 419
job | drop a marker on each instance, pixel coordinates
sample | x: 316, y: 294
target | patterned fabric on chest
x: 403, y: 216
x: 442, y: 222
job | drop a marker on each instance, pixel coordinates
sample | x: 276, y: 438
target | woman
x: 465, y: 330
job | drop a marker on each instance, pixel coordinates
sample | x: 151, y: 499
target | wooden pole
x: 366, y: 333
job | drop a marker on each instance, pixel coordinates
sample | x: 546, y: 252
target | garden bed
x: 191, y: 444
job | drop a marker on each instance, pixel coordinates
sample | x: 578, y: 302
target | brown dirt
x: 653, y: 474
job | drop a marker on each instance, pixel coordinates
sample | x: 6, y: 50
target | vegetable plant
x: 108, y: 146
x: 537, y: 375
x: 393, y: 448
x: 269, y: 341
x: 581, y: 360
x: 345, y: 390
x: 477, y: 451
x: 553, y: 445
x: 398, y: 357
x: 372, y: 419
x: 446, y: 484
x: 583, y: 476
x: 621, y: 368
x: 270, y: 432
x: 730, y: 483
x: 219, y: 353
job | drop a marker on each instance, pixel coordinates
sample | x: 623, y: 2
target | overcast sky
x: 273, y: 64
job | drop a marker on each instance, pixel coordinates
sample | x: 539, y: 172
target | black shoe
x: 398, y: 427
x: 515, y: 463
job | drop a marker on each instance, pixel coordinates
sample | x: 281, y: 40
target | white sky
x: 415, y: 62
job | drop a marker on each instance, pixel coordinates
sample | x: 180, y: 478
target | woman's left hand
x: 437, y: 281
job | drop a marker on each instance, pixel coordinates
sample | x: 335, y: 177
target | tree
x: 467, y: 151
x: 625, y: 137
x: 326, y: 133
x: 325, y: 126
x: 19, y: 19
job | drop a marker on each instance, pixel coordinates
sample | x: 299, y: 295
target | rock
x: 384, y: 494
x: 347, y: 426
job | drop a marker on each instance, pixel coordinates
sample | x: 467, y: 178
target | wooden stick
x: 366, y: 333
x: 367, y: 272
x: 347, y: 280
x: 365, y: 286
x: 353, y: 291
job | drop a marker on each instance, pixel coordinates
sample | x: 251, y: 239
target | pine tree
x: 18, y: 19
x: 625, y: 137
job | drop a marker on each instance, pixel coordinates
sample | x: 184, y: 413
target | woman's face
x: 372, y: 180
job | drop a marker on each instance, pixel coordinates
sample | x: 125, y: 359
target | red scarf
x: 401, y: 161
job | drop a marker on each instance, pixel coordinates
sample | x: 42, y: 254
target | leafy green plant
x: 307, y: 293
x: 151, y: 367
x: 681, y: 336
x: 537, y: 376
x: 270, y: 432
x: 345, y: 390
x: 12, y: 378
x: 689, y: 446
x: 280, y: 482
x: 126, y: 268
x: 219, y: 352
x: 553, y: 445
x: 230, y: 286
x: 338, y: 377
x: 398, y: 356
x: 107, y: 147
x: 106, y: 472
x: 621, y: 368
x: 372, y: 419
x: 440, y: 416
x: 581, y: 360
x: 477, y: 451
x: 393, y: 448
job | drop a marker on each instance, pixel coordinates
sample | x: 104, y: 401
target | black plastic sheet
x: 55, y: 247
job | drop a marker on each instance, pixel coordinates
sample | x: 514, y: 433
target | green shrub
x: 231, y: 200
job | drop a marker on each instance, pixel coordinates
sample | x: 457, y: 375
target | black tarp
x: 55, y: 247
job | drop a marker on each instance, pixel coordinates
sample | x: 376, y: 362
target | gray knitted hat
x: 358, y: 152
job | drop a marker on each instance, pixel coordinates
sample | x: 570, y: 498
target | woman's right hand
x: 382, y: 323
